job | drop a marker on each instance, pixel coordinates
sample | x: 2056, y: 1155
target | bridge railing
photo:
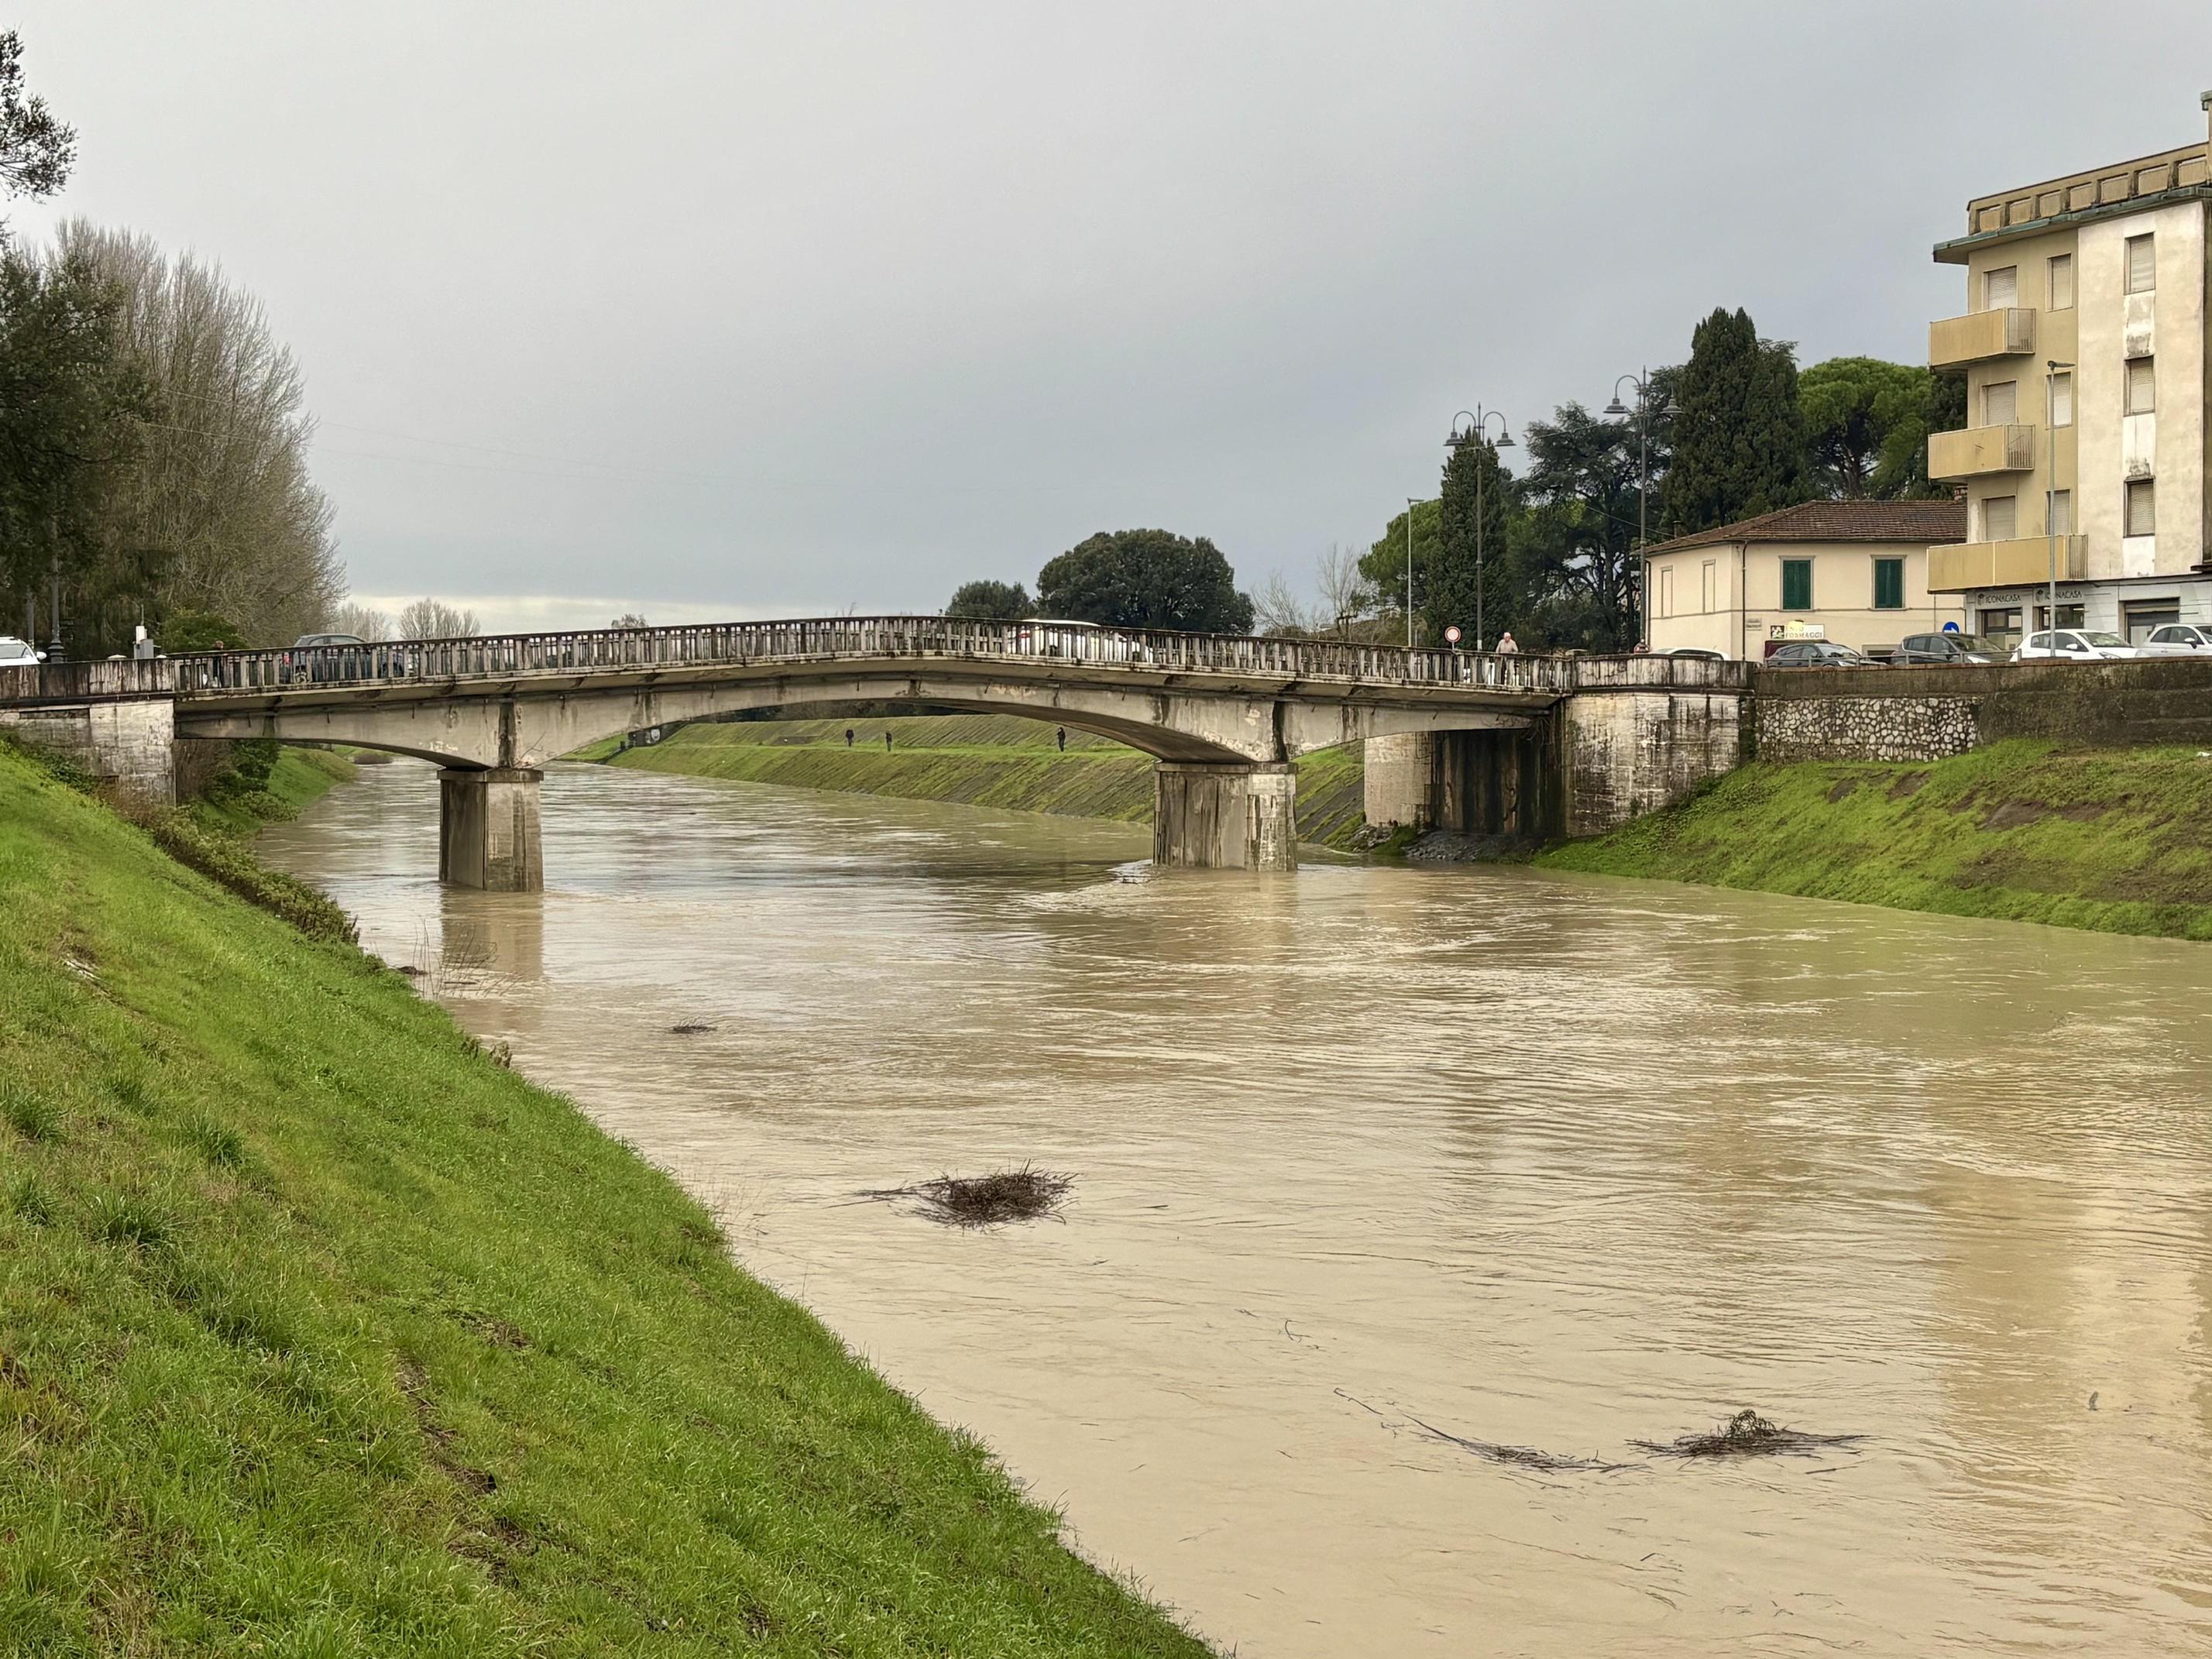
x: 501, y: 656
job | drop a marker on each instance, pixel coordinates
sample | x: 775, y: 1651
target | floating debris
x: 1022, y: 1194
x: 1522, y: 1457
x: 1748, y: 1435
x: 689, y: 1030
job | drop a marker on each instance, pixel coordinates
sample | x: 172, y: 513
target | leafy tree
x: 1867, y: 422
x: 1145, y: 579
x: 1382, y: 568
x: 36, y: 148
x: 71, y: 414
x: 1576, y: 562
x: 628, y: 619
x: 990, y: 601
x: 1740, y: 446
x: 1469, y: 572
x: 198, y: 630
x: 433, y: 619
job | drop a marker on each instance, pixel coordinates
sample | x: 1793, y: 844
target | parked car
x: 1819, y: 653
x: 2079, y: 645
x: 307, y: 641
x: 18, y: 653
x: 1923, y: 649
x: 1697, y: 653
x: 2181, y: 637
x: 290, y: 664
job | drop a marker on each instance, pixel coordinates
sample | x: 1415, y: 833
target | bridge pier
x: 1491, y: 783
x: 487, y: 829
x: 1225, y: 818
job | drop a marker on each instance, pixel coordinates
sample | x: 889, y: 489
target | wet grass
x: 998, y: 760
x: 2118, y: 841
x: 323, y: 1333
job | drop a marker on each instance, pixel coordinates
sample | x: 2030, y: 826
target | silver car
x: 2182, y: 638
x: 2079, y: 645
x: 17, y: 654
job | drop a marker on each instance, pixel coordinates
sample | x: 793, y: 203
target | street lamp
x: 1410, y: 504
x: 1476, y: 430
x: 1644, y: 412
x: 2051, y: 366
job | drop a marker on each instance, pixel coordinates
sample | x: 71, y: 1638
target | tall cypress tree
x: 1739, y: 441
x: 1450, y: 580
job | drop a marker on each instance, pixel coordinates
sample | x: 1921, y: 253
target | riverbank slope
x: 998, y: 760
x: 323, y: 1332
x: 2117, y: 841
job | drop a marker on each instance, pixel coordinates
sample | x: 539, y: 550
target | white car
x: 15, y: 654
x: 2079, y: 644
x: 2180, y: 637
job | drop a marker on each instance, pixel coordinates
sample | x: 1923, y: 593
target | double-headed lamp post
x: 1477, y: 430
x: 2052, y: 367
x: 1643, y: 412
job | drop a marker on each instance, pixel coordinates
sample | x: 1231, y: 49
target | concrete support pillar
x: 488, y: 834
x: 1397, y: 779
x: 1232, y: 817
x: 1625, y: 753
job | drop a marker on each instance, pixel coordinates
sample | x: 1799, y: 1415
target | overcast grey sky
x: 736, y: 309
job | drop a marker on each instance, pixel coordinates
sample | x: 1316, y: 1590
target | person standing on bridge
x: 1507, y: 647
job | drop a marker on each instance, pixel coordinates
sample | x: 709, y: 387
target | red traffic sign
x: 1451, y: 635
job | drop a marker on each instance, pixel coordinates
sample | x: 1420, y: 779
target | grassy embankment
x: 974, y: 760
x: 2120, y: 841
x: 321, y: 1333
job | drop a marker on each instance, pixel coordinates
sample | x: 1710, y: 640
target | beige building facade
x: 1853, y: 572
x: 2085, y: 354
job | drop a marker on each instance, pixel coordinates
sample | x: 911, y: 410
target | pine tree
x: 1739, y: 441
x: 1450, y: 584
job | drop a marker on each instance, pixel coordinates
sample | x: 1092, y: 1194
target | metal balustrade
x: 615, y: 651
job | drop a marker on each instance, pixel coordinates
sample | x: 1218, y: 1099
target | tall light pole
x: 1409, y: 572
x: 1477, y: 430
x: 2051, y: 367
x: 1644, y: 412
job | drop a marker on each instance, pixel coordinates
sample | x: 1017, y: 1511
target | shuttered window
x: 1796, y: 584
x: 2001, y: 289
x: 2001, y: 402
x: 2142, y: 508
x: 2143, y: 387
x: 2062, y: 400
x: 2142, y: 264
x: 2000, y: 518
x: 2061, y: 282
x: 1889, y: 584
x: 2058, y: 519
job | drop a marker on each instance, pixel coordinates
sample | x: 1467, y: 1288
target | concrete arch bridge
x: 1523, y: 744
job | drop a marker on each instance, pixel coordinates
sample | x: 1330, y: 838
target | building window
x: 1889, y: 584
x: 1666, y: 590
x: 2140, y: 618
x: 2002, y: 627
x: 2069, y: 616
x: 2143, y: 508
x: 2062, y: 281
x: 1708, y: 581
x: 2001, y: 402
x: 2143, y: 387
x: 2058, y: 514
x: 2000, y: 518
x: 2142, y: 264
x: 2001, y: 289
x: 1796, y: 584
x: 2062, y: 399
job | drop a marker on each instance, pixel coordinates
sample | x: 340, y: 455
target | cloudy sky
x: 730, y: 309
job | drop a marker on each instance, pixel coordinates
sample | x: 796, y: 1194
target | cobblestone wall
x: 1865, y: 728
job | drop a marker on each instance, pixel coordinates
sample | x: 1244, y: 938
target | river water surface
x: 1369, y: 1157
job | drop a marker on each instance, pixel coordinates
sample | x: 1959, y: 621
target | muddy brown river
x: 1366, y: 1159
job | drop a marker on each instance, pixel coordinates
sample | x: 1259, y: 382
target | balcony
x: 1976, y: 451
x: 2007, y: 331
x: 2004, y: 564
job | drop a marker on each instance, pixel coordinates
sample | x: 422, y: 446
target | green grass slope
x: 998, y: 760
x: 2117, y: 841
x: 270, y: 782
x: 323, y: 1333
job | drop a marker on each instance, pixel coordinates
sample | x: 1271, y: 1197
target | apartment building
x: 1853, y: 572
x: 2085, y: 350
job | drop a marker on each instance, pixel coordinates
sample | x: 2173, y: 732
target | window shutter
x: 2062, y: 400
x: 2142, y: 508
x: 2061, y: 282
x: 2000, y: 518
x: 2143, y: 387
x: 2001, y: 402
x: 2061, y: 515
x: 1889, y: 584
x: 2142, y: 264
x: 2001, y: 289
x: 1796, y: 584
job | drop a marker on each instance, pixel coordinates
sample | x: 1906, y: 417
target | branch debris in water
x: 1748, y: 1435
x: 1022, y: 1194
